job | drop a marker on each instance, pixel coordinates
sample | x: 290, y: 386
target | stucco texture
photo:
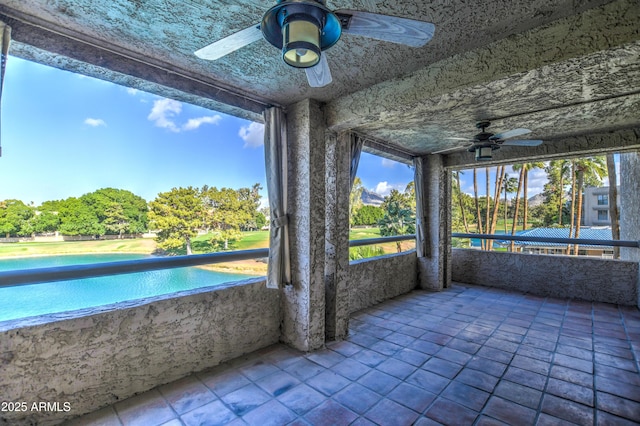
x: 372, y: 281
x: 96, y: 357
x: 592, y: 279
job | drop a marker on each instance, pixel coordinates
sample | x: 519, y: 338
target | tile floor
x: 466, y: 356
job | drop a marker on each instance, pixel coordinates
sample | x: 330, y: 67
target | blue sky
x: 65, y: 135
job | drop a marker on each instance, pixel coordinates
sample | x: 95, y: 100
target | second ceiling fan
x: 305, y: 29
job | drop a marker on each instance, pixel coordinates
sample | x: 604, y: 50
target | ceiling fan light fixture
x: 483, y: 153
x: 302, y: 29
x: 301, y: 40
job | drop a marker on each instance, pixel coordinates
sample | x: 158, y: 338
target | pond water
x: 37, y: 299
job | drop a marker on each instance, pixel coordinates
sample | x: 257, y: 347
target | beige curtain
x: 356, y: 148
x: 275, y: 150
x: 5, y: 39
x: 422, y: 249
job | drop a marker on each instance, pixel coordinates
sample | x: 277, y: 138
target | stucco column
x: 630, y: 207
x: 303, y: 324
x: 434, y: 268
x: 337, y: 235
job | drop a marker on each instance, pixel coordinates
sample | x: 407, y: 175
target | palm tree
x: 355, y: 199
x: 592, y: 169
x: 509, y: 186
x: 613, y: 203
x: 500, y: 174
x: 526, y: 167
x: 475, y: 196
x: 517, y: 201
x: 573, y: 202
x: 457, y: 174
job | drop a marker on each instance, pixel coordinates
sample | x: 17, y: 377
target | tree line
x: 562, y: 205
x: 176, y: 215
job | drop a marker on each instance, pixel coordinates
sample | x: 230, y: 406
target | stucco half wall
x: 577, y: 277
x: 375, y: 280
x: 95, y: 357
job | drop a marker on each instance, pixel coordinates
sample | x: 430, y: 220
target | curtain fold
x: 422, y: 249
x: 275, y: 150
x: 356, y: 148
x: 5, y: 39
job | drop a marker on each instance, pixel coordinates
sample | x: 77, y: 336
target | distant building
x: 587, y: 233
x: 595, y: 207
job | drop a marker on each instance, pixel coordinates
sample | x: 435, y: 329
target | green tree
x: 78, y: 218
x: 457, y: 190
x: 226, y: 210
x: 399, y: 216
x: 527, y: 167
x: 368, y: 216
x: 355, y: 199
x: 132, y: 210
x: 46, y: 221
x: 589, y: 170
x: 15, y: 218
x: 509, y: 185
x: 115, y: 221
x: 177, y: 215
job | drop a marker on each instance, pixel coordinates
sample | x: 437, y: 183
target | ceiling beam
x: 43, y: 42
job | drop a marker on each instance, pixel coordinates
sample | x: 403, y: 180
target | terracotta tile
x: 545, y: 419
x: 272, y: 413
x: 617, y: 374
x: 328, y: 382
x: 379, y: 382
x: 396, y: 368
x: 535, y: 365
x: 535, y: 353
x: 464, y: 346
x: 571, y: 391
x: 489, y: 421
x: 614, y: 361
x: 424, y: 346
x: 539, y: 343
x: 145, y: 409
x: 104, y: 417
x: 466, y: 395
x: 214, y: 414
x: 245, y: 399
x: 304, y: 369
x: 517, y: 393
x: 390, y: 413
x: 453, y: 355
x: 428, y: 381
x: 369, y: 358
x: 621, y: 352
x: 567, y: 410
x: 526, y: 378
x: 503, y: 345
x: 186, y: 394
x: 412, y: 397
x: 439, y: 338
x: 574, y: 363
x: 362, y: 339
x: 477, y: 379
x: 450, y: 413
x: 509, y: 412
x: 576, y: 341
x: 471, y: 336
x: 344, y: 347
x: 625, y: 390
x: 573, y: 376
x: 301, y: 399
x: 399, y: 339
x: 278, y: 383
x: 608, y: 419
x: 411, y: 331
x: 412, y: 357
x: 258, y: 369
x: 575, y: 352
x: 223, y: 381
x: 330, y: 413
x: 619, y: 406
x: 357, y: 398
x: 442, y: 367
x: 488, y: 366
x: 495, y: 354
x: 326, y: 358
x: 351, y: 369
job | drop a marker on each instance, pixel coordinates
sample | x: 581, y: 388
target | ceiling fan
x: 304, y: 29
x: 484, y: 143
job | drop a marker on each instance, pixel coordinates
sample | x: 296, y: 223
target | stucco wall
x: 377, y: 279
x: 599, y: 280
x: 95, y: 357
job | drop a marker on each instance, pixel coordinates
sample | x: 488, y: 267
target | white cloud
x: 95, y: 122
x: 163, y: 112
x: 194, y: 123
x: 252, y: 135
x: 132, y: 91
x: 388, y: 163
x: 384, y: 188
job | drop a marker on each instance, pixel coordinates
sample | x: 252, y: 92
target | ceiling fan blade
x: 510, y: 133
x: 386, y: 28
x: 319, y: 75
x: 230, y: 44
x: 523, y: 142
x: 458, y: 139
x: 455, y: 148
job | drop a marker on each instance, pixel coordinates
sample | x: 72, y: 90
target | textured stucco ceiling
x: 560, y: 67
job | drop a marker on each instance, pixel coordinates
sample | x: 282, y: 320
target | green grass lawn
x: 138, y: 245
